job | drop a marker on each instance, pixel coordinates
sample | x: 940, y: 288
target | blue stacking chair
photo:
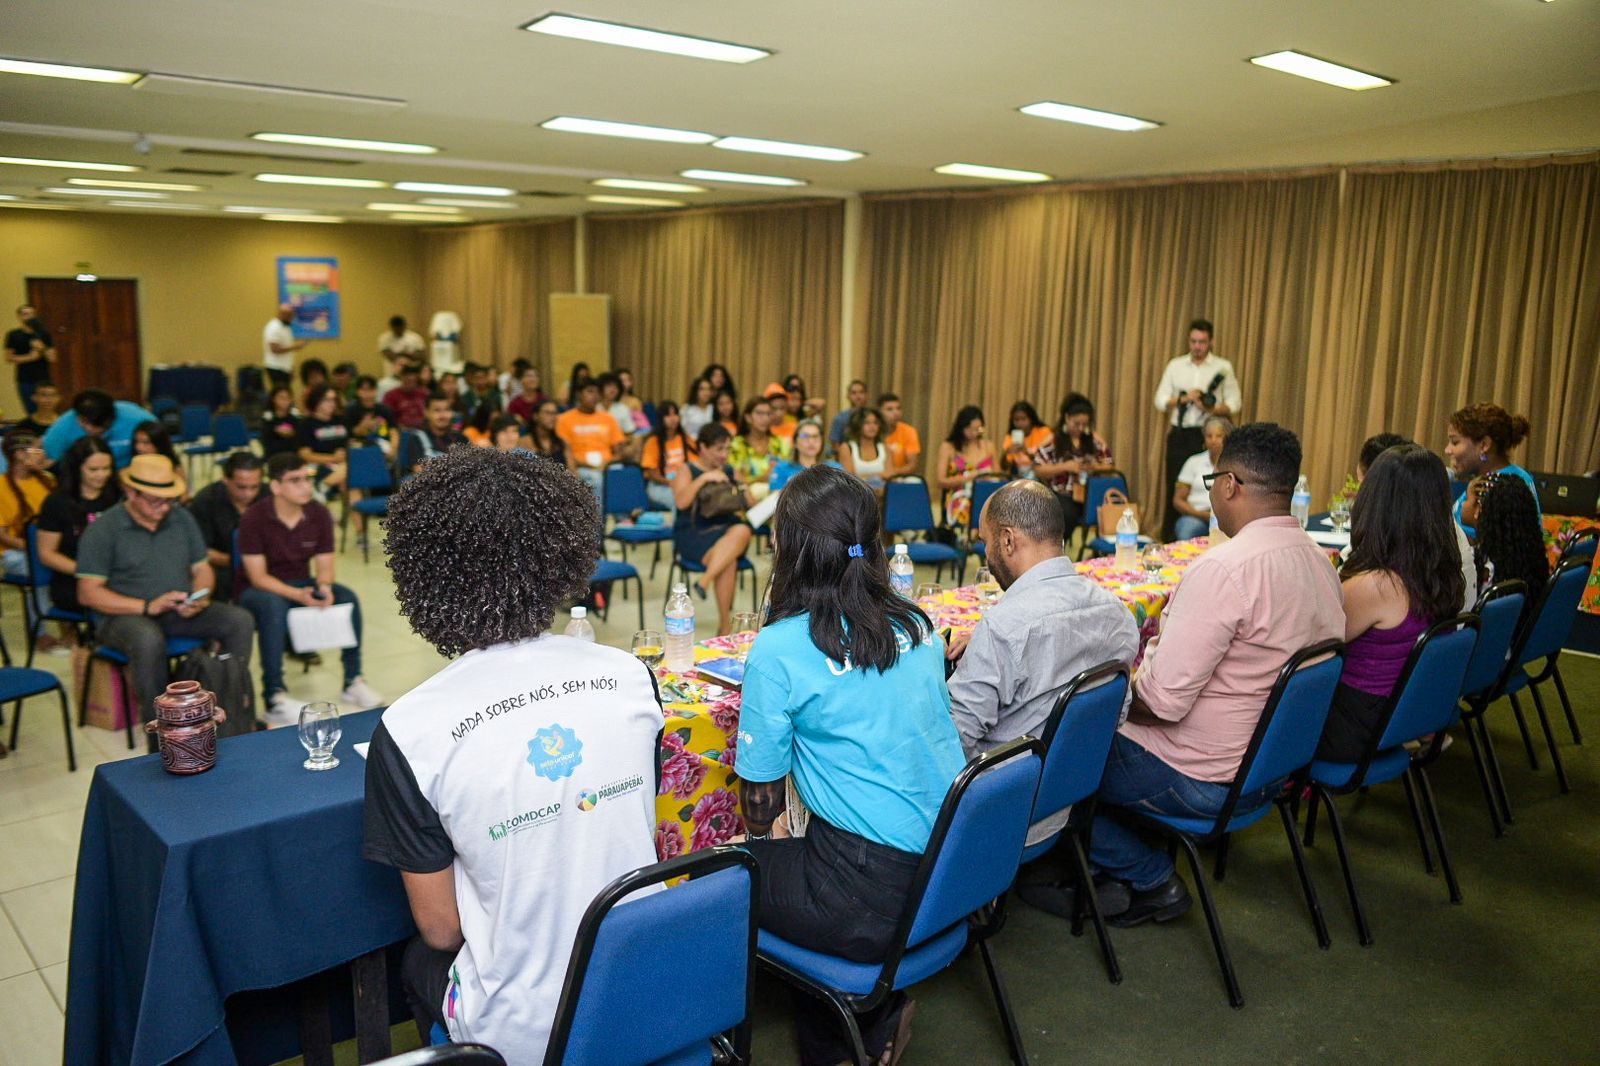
x: 622, y: 495
x: 367, y: 470
x: 1094, y: 496
x: 1499, y: 612
x: 228, y: 434
x: 907, y: 509
x: 1283, y: 744
x: 1423, y: 703
x: 18, y: 683
x: 194, y: 422
x: 970, y: 861
x: 33, y: 607
x: 163, y: 405
x: 688, y: 566
x: 607, y: 571
x: 982, y: 489
x: 1077, y: 740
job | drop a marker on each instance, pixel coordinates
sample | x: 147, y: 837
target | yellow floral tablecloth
x: 697, y: 805
x: 1559, y: 530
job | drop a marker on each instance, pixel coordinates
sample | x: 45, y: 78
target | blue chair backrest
x: 982, y: 489
x: 1095, y: 494
x: 368, y: 468
x: 1078, y: 736
x: 906, y: 505
x: 1558, y: 609
x: 194, y: 421
x: 1582, y: 547
x: 1292, y: 721
x: 1498, y: 610
x: 628, y: 950
x: 622, y: 491
x: 160, y: 405
x: 1425, y: 701
x: 230, y: 431
x: 985, y: 820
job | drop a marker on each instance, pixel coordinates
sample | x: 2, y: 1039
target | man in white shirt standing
x: 399, y: 343
x: 278, y: 345
x: 1193, y: 388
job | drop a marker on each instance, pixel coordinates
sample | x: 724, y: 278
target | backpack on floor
x: 229, y: 680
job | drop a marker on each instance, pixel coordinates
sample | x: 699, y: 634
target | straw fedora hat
x: 153, y: 475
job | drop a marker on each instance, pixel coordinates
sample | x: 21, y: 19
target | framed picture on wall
x: 310, y: 284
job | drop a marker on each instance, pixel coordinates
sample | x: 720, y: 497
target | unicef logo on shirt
x: 555, y: 752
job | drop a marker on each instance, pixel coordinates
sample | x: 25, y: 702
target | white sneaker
x: 360, y: 694
x: 282, y: 711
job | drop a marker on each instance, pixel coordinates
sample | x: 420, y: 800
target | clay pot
x: 186, y: 723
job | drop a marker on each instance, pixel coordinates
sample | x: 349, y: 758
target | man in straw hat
x: 142, y: 570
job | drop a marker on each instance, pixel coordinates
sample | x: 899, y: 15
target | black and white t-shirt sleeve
x: 401, y: 827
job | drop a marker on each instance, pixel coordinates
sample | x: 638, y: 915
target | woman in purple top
x: 1403, y: 574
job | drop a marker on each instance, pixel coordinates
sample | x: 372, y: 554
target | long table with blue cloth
x: 189, y: 383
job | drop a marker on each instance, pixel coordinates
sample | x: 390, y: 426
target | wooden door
x: 96, y: 329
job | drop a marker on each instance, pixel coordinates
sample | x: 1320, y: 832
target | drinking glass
x: 1153, y: 560
x: 988, y: 587
x: 928, y: 590
x: 1339, y: 515
x: 649, y: 647
x: 745, y: 625
x: 319, y: 732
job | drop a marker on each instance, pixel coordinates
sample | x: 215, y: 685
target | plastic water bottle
x: 1300, y: 503
x: 579, y: 627
x: 1127, y: 539
x: 680, y: 630
x: 902, y: 575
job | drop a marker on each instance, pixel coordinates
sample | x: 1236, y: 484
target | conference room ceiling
x: 913, y: 86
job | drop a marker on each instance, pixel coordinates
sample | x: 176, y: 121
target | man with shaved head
x: 278, y: 345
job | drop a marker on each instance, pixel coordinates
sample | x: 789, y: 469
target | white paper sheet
x: 1329, y: 538
x: 322, y: 628
x: 361, y: 749
x: 759, y: 513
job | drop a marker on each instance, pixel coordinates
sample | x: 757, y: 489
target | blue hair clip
x: 856, y: 551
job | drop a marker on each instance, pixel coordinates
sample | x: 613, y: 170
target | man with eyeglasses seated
x: 143, y: 571
x: 286, y: 547
x: 1242, y: 609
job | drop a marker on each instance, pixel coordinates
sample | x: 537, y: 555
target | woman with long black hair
x: 844, y: 691
x: 1510, y: 542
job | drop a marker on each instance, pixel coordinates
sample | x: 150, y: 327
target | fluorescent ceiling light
x: 67, y: 164
x: 584, y: 29
x: 62, y: 70
x: 646, y: 186
x: 40, y: 207
x: 164, y: 207
x: 353, y: 143
x: 1088, y: 116
x: 737, y: 178
x: 602, y: 128
x: 165, y: 186
x: 1304, y: 66
x: 308, y: 179
x: 498, y: 205
x: 7, y: 196
x: 445, y: 187
x: 799, y: 151
x: 634, y: 201
x: 302, y: 218
x: 62, y: 190
x: 978, y: 170
x: 405, y: 217
x: 238, y: 210
x: 419, y: 209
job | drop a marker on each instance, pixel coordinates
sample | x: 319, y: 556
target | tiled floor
x: 41, y: 804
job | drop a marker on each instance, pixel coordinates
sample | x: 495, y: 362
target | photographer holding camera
x: 1193, y: 388
x: 30, y: 349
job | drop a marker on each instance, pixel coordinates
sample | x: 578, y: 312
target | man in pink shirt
x: 1239, y: 613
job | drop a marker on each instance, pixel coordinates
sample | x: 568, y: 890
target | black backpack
x: 229, y: 679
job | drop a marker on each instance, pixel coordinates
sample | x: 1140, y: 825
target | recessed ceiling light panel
x: 1088, y: 116
x: 67, y: 164
x: 420, y: 209
x: 646, y: 186
x: 402, y: 216
x: 788, y: 148
x: 245, y: 210
x: 125, y: 194
x: 634, y: 201
x: 164, y: 207
x: 302, y: 218
x: 978, y: 170
x: 446, y: 187
x: 164, y: 186
x: 311, y: 179
x: 63, y: 70
x: 603, y: 128
x: 584, y: 29
x: 441, y: 201
x: 1304, y: 66
x: 353, y: 143
x: 734, y: 177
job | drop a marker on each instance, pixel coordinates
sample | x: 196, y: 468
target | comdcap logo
x: 526, y: 820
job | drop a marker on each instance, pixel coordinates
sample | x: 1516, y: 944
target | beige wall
x: 208, y: 285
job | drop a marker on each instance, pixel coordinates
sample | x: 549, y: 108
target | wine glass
x: 649, y: 647
x: 988, y: 587
x: 1339, y: 514
x: 745, y: 624
x: 319, y: 732
x: 928, y: 590
x: 1153, y: 560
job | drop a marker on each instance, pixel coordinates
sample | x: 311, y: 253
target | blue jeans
x: 271, y: 613
x: 1188, y: 526
x: 1138, y: 780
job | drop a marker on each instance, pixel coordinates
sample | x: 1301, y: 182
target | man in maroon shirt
x: 286, y: 545
x: 408, y: 401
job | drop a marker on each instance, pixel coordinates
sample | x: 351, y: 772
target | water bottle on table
x: 1127, y: 540
x: 1300, y: 502
x: 579, y: 626
x: 901, y: 572
x: 680, y: 630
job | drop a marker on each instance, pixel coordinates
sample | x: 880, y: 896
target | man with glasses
x: 286, y: 546
x: 219, y: 506
x: 1242, y: 609
x: 142, y: 570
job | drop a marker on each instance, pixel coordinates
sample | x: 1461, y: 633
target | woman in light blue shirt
x: 1479, y: 441
x: 844, y: 692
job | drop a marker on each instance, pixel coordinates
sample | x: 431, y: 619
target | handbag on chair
x: 1112, y: 505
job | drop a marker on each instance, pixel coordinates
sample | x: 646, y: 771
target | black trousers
x: 839, y: 893
x: 1181, y: 443
x: 424, y: 975
x: 276, y: 377
x: 1071, y: 514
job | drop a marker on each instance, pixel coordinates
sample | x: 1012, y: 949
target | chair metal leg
x: 1566, y: 704
x: 1221, y: 866
x: 1224, y: 960
x: 1002, y: 1003
x: 1086, y: 893
x: 1550, y: 740
x: 1438, y: 833
x: 1527, y: 737
x: 1311, y: 817
x: 1416, y: 823
x: 1489, y: 798
x: 16, y: 722
x: 640, y: 582
x: 1318, y: 922
x: 83, y: 691
x: 66, y: 728
x: 1363, y: 932
x: 1494, y: 770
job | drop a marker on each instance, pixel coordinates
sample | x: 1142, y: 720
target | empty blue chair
x: 1423, y: 705
x: 368, y: 473
x: 1499, y: 612
x: 982, y: 489
x: 1284, y: 741
x: 1077, y: 740
x: 228, y: 434
x: 971, y: 860
x: 609, y: 570
x: 18, y: 683
x: 907, y: 509
x: 622, y: 495
x: 1549, y: 624
x: 194, y: 422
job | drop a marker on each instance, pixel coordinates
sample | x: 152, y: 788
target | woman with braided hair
x: 1510, y: 536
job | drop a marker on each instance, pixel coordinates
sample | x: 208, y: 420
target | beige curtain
x: 499, y: 278
x: 756, y: 289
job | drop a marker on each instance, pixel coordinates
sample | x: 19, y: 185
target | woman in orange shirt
x: 1028, y: 435
x: 726, y: 406
x: 666, y: 451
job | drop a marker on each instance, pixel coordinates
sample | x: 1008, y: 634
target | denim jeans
x: 1138, y: 780
x: 271, y: 613
x: 1188, y: 527
x: 594, y: 477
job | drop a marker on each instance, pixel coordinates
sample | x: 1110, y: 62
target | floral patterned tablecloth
x: 1559, y: 530
x: 697, y: 805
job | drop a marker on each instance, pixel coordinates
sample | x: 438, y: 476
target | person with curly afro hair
x: 520, y: 780
x: 1479, y: 441
x: 1510, y: 536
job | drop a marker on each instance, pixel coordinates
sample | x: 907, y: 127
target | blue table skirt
x: 189, y: 384
x: 248, y: 876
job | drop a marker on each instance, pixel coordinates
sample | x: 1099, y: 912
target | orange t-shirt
x: 903, y: 443
x: 677, y: 455
x: 786, y: 428
x: 590, y: 437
